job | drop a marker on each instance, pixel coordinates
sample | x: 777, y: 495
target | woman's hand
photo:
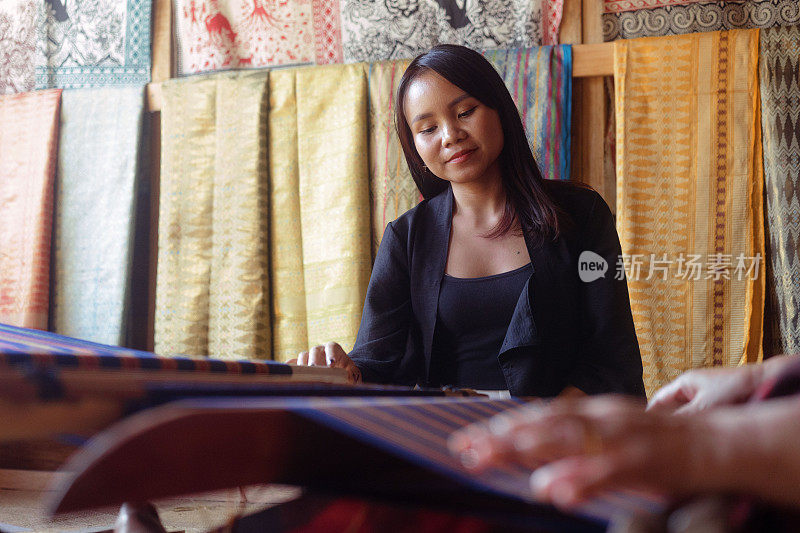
x: 593, y: 444
x: 331, y: 355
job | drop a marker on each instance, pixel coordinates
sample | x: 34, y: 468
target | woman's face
x: 458, y: 137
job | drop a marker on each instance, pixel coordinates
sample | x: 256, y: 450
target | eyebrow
x: 451, y: 104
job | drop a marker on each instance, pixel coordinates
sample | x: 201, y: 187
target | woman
x: 478, y: 285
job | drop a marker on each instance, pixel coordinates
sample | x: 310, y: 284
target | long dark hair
x: 526, y: 198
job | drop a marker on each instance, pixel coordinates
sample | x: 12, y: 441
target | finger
x: 316, y: 356
x: 334, y: 355
x: 569, y: 482
x: 671, y: 396
x: 302, y: 358
x: 292, y: 361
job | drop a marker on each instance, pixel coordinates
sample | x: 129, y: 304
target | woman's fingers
x: 335, y: 355
x: 302, y: 358
x: 316, y: 356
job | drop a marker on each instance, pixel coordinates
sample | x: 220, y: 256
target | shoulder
x: 576, y: 199
x: 424, y: 214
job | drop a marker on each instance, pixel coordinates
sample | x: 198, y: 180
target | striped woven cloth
x: 24, y: 346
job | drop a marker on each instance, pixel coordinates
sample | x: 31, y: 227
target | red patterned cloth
x: 230, y: 34
x: 28, y: 141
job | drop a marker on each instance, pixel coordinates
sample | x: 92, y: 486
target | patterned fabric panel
x: 392, y: 189
x: 617, y: 6
x: 89, y: 44
x: 96, y: 197
x: 779, y: 69
x: 211, y: 288
x: 28, y: 146
x: 230, y: 34
x: 333, y: 181
x: 289, y: 317
x: 17, y: 46
x: 398, y: 29
x: 699, y: 17
x: 540, y: 81
x: 689, y: 199
x: 20, y: 346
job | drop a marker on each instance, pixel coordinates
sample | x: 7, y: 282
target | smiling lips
x: 461, y: 156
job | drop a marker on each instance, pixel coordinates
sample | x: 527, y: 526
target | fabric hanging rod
x: 588, y: 60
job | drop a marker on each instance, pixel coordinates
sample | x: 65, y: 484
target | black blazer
x: 563, y: 331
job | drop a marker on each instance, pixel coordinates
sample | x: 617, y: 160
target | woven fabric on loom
x: 375, y: 31
x: 28, y: 147
x: 18, y: 45
x: 540, y: 81
x: 779, y: 73
x: 670, y: 17
x: 689, y: 192
x: 211, y: 291
x: 230, y: 34
x: 20, y: 346
x: 96, y: 188
x: 89, y: 44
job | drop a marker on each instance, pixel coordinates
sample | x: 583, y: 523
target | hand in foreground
x: 590, y: 445
x: 702, y: 389
x: 331, y: 355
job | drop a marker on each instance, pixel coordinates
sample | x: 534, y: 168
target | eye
x: 428, y: 130
x: 468, y: 112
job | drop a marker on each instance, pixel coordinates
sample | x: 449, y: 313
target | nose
x: 452, y: 133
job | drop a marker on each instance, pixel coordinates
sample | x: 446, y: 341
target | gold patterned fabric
x: 289, y: 331
x: 320, y: 205
x: 212, y: 284
x: 334, y: 198
x: 689, y: 198
x: 392, y: 189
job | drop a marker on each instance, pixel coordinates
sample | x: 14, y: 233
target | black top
x: 563, y: 331
x: 471, y: 324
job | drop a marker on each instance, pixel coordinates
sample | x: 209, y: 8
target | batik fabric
x: 90, y: 44
x: 629, y: 19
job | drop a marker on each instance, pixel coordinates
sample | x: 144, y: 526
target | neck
x: 480, y: 204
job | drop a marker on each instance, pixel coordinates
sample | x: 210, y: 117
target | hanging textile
x: 392, y: 188
x: 320, y: 210
x: 96, y: 187
x: 230, y: 34
x: 689, y: 199
x: 375, y: 31
x: 211, y: 288
x: 289, y: 318
x: 17, y: 46
x: 89, y: 44
x: 779, y: 73
x: 28, y: 147
x: 628, y: 19
x: 540, y: 81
